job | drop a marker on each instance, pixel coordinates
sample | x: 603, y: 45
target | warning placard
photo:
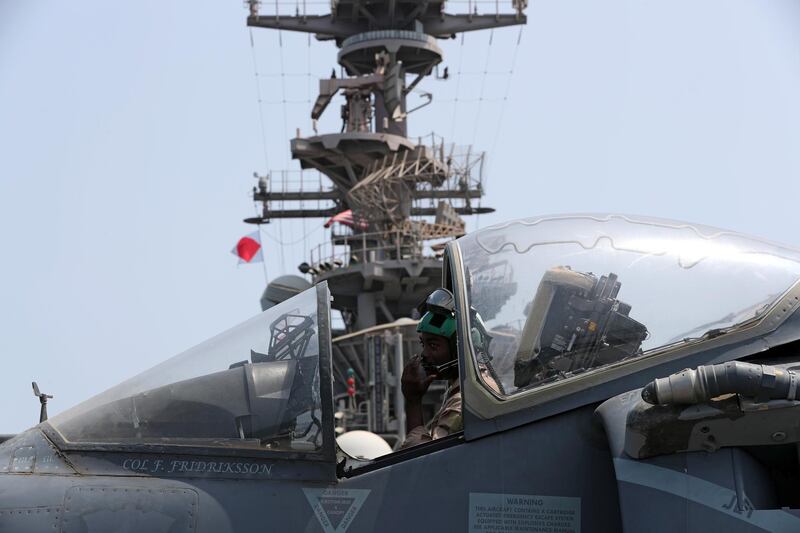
x: 507, y: 513
x: 336, y: 508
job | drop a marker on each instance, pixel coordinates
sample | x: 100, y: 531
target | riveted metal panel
x: 168, y: 510
x: 29, y: 519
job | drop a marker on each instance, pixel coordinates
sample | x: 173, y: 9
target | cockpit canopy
x: 555, y: 297
x: 254, y: 387
x: 550, y: 299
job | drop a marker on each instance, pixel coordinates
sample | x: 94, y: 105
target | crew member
x: 438, y: 360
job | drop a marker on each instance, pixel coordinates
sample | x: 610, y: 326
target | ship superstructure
x: 399, y: 198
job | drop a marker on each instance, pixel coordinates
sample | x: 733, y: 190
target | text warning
x: 507, y: 513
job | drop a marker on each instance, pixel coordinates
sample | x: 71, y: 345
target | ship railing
x: 346, y: 249
x: 307, y: 8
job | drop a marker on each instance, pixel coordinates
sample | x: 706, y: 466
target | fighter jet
x: 593, y: 400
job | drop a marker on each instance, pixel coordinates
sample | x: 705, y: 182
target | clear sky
x: 129, y: 133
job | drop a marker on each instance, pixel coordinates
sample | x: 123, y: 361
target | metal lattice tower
x: 378, y: 272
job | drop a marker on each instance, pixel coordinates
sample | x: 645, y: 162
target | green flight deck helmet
x: 439, y: 318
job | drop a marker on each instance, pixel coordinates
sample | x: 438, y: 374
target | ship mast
x: 382, y: 267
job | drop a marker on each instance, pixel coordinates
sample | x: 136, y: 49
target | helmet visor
x: 439, y: 301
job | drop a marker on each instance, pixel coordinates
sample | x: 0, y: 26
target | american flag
x: 348, y: 219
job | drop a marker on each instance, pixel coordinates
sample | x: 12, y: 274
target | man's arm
x: 446, y: 422
x: 415, y: 383
x: 414, y: 416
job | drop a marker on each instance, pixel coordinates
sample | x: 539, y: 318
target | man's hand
x: 415, y: 381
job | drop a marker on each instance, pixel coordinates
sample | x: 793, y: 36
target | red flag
x: 248, y: 249
x: 348, y: 219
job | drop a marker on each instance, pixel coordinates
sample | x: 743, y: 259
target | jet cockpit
x: 562, y: 322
